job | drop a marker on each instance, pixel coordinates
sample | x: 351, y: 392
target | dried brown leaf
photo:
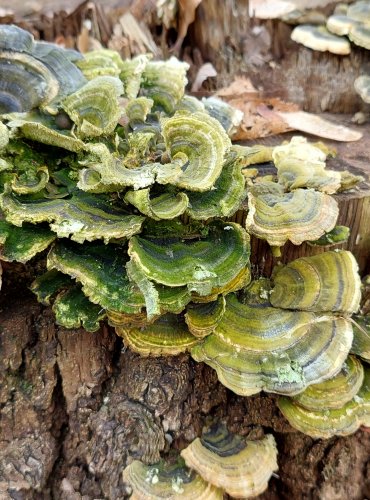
x: 314, y: 124
x: 265, y: 116
x: 257, y: 123
x: 258, y: 117
x: 238, y: 87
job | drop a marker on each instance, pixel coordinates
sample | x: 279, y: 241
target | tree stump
x: 76, y: 407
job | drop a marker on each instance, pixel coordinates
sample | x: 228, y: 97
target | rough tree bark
x: 76, y: 407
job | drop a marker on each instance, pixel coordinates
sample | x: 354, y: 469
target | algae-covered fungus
x: 257, y: 347
x: 299, y: 341
x: 73, y: 309
x: 125, y: 183
x: 199, y: 143
x: 164, y: 206
x: 139, y: 173
x: 334, y: 392
x: 361, y: 336
x: 168, y: 335
x: 300, y: 164
x: 105, y: 62
x: 297, y: 216
x: 325, y: 282
x: 225, y: 198
x: 107, y: 173
x: 201, y: 265
x: 202, y: 319
x: 101, y: 62
x: 241, y: 467
x: 82, y: 216
x: 164, y: 82
x: 43, y: 129
x: 101, y: 272
x: 229, y: 117
x: 195, y: 146
x: 21, y: 244
x: 361, y: 324
x: 338, y: 235
x: 297, y: 207
x: 34, y: 74
x: 47, y: 285
x: 94, y: 108
x: 336, y: 407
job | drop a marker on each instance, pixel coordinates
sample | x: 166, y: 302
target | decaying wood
x: 308, y: 78
x: 77, y: 407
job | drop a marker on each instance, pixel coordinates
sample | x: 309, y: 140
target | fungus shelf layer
x: 334, y: 408
x: 163, y: 480
x: 239, y: 466
x: 258, y: 347
x: 325, y: 282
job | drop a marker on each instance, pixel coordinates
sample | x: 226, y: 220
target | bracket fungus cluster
x: 298, y: 207
x: 290, y: 337
x: 348, y: 23
x: 219, y: 462
x: 241, y: 467
x: 123, y: 187
x: 34, y: 74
